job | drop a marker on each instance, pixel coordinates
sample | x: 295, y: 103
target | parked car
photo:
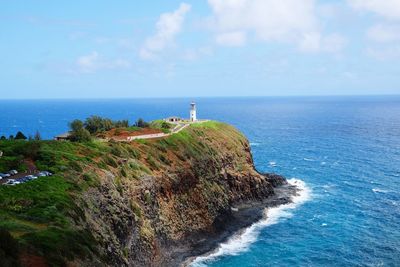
x: 4, y: 175
x: 12, y: 182
x: 13, y: 172
x: 31, y: 176
x: 45, y: 173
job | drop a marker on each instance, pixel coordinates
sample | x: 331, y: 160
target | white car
x: 12, y: 182
x: 4, y: 175
x: 13, y: 172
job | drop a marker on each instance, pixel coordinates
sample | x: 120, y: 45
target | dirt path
x: 176, y: 129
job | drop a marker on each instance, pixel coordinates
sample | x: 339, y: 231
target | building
x: 173, y: 119
x: 63, y: 137
x: 193, y: 115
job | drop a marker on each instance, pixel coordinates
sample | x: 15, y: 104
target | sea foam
x: 241, y: 241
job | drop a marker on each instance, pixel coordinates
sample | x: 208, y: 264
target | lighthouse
x: 193, y: 116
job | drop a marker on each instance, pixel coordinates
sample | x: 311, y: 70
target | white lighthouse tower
x: 193, y: 116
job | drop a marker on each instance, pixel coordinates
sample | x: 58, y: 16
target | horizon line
x: 188, y: 97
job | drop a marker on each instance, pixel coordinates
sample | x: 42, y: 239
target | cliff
x: 144, y: 203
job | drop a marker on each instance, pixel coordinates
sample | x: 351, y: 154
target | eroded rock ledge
x: 184, y: 205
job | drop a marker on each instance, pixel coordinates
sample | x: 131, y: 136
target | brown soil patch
x: 29, y: 260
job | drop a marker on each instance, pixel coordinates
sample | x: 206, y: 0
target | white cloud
x: 167, y: 27
x: 384, y: 53
x: 387, y: 33
x: 384, y: 33
x: 88, y: 63
x: 237, y: 38
x: 288, y: 21
x: 333, y: 43
x: 311, y: 42
x: 389, y: 9
x: 92, y: 62
x: 283, y: 20
x: 195, y: 53
x: 314, y: 42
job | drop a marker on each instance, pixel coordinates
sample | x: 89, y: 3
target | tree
x: 81, y: 135
x: 11, y: 137
x: 121, y: 124
x: 3, y: 137
x: 76, y: 125
x: 141, y: 123
x: 96, y: 124
x: 78, y: 133
x: 37, y: 136
x: 20, y: 136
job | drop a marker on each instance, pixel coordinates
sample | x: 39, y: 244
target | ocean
x: 343, y: 152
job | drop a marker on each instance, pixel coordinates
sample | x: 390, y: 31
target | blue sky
x: 105, y: 49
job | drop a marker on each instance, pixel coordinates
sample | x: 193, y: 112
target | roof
x: 64, y: 135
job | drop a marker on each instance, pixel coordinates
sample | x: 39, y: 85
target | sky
x: 129, y: 49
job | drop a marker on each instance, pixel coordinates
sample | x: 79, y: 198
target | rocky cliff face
x: 155, y: 201
x: 144, y: 203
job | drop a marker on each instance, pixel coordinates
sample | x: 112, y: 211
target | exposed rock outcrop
x: 188, y: 194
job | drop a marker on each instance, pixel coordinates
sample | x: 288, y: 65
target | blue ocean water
x: 343, y: 151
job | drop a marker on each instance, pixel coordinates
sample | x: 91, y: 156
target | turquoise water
x: 343, y: 151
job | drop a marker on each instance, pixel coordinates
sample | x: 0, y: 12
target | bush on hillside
x: 9, y: 249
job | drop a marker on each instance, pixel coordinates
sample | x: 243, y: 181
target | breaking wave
x: 241, y: 241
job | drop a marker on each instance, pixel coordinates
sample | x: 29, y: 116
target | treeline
x: 82, y: 131
x: 21, y: 136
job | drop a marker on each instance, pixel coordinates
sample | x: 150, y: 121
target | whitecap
x: 255, y: 144
x: 272, y: 163
x: 378, y: 190
x: 324, y: 224
x: 307, y: 159
x: 241, y: 241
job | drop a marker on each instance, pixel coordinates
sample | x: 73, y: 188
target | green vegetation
x: 20, y: 136
x: 38, y: 213
x: 141, y: 123
x: 162, y: 125
x: 45, y: 215
x: 96, y: 124
x: 78, y: 132
x: 9, y: 249
x: 37, y: 136
x: 210, y: 125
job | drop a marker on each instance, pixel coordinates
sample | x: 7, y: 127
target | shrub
x: 20, y: 136
x: 141, y: 123
x: 136, y: 209
x: 164, y: 159
x: 152, y: 163
x: 8, y: 249
x: 123, y: 172
x: 37, y: 136
x: 110, y: 161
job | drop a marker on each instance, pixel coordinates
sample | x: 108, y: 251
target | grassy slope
x: 43, y: 214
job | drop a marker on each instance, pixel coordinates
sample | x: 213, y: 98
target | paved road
x: 179, y: 127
